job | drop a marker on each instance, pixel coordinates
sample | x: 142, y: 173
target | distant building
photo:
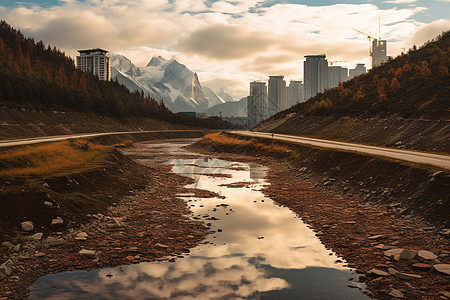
x: 295, y: 92
x: 95, y: 61
x: 379, y: 52
x: 277, y: 94
x: 257, y: 103
x: 336, y: 74
x: 315, y: 74
x: 358, y: 70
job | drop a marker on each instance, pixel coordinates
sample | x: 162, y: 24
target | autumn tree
x: 443, y: 70
x: 406, y: 67
x: 395, y: 85
x: 425, y: 70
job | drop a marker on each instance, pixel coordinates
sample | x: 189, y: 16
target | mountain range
x: 169, y: 81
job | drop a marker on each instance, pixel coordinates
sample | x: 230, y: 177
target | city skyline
x: 230, y: 43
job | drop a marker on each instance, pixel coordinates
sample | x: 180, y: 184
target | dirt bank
x: 392, y: 131
x: 357, y: 227
x: 125, y: 212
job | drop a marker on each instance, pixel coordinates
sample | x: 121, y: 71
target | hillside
x: 402, y: 103
x: 35, y: 76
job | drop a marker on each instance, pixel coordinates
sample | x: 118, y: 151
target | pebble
x: 6, y: 268
x: 396, y: 294
x: 407, y: 254
x: 27, y: 226
x: 426, y: 255
x: 36, y: 237
x: 87, y: 253
x: 376, y: 237
x: 57, y: 221
x: 442, y: 268
x: 378, y: 272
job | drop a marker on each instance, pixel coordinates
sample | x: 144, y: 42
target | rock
x: 82, y: 236
x: 54, y: 241
x: 426, y: 255
x: 404, y: 276
x: 377, y: 237
x: 407, y: 254
x: 6, y: 268
x: 409, y: 287
x: 118, y: 221
x: 161, y: 245
x: 36, y: 236
x: 436, y: 173
x: 393, y: 253
x: 87, y: 253
x: 8, y: 245
x: 421, y: 266
x: 442, y: 268
x: 39, y: 254
x: 396, y: 294
x: 48, y: 203
x: 57, y: 221
x: 27, y: 226
x: 45, y: 185
x: 16, y: 248
x: 378, y: 272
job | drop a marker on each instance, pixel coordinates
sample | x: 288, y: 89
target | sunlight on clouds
x: 400, y: 1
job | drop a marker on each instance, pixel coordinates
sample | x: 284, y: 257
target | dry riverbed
x: 152, y: 223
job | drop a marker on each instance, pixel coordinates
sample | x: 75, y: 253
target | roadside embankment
x: 392, y: 131
x: 376, y: 214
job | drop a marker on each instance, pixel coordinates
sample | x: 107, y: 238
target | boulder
x: 442, y: 268
x: 27, y: 226
x: 36, y: 236
x: 6, y: 268
x: 426, y: 255
x: 393, y: 253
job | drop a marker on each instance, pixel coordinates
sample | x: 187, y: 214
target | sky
x: 230, y: 43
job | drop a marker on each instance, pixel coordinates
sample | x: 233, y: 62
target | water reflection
x: 258, y: 251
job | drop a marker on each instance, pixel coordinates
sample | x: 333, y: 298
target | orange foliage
x: 425, y: 70
x: 406, y: 67
x: 395, y: 85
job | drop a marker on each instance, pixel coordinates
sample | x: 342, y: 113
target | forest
x: 36, y: 76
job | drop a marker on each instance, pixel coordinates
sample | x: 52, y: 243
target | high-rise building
x: 379, y: 52
x: 277, y: 94
x: 315, y: 74
x: 336, y: 74
x: 95, y: 61
x: 257, y: 103
x: 295, y: 93
x: 358, y: 70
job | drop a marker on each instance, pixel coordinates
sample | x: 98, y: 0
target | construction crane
x: 370, y: 40
x: 336, y: 61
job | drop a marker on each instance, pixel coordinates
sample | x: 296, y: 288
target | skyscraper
x: 257, y: 103
x: 295, y: 92
x: 336, y: 74
x: 315, y: 74
x: 379, y: 52
x: 95, y: 61
x: 277, y: 94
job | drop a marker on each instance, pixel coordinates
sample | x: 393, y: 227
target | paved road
x: 442, y: 161
x: 19, y: 142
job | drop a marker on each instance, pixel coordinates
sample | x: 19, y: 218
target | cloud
x: 225, y: 42
x: 428, y: 32
x: 400, y: 1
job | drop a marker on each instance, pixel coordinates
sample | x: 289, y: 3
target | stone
x: 54, y: 241
x: 27, y: 226
x: 16, y: 248
x: 407, y: 254
x: 57, y: 221
x: 393, y: 253
x: 82, y: 236
x: 406, y: 276
x: 48, y: 203
x: 442, y: 268
x: 36, y: 236
x: 39, y: 254
x: 8, y: 245
x: 396, y: 294
x: 161, y: 245
x: 376, y: 237
x: 409, y: 287
x: 87, y: 253
x: 421, y: 266
x: 378, y: 272
x: 6, y: 268
x: 45, y: 185
x: 426, y: 255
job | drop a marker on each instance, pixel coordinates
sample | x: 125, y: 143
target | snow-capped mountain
x: 166, y: 80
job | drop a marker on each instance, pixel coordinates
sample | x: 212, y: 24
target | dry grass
x: 52, y: 158
x: 223, y: 141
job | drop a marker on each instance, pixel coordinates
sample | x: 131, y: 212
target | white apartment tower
x: 379, y: 52
x: 358, y: 70
x: 315, y: 74
x: 257, y: 103
x: 95, y: 61
x: 295, y: 93
x: 336, y: 74
x: 277, y: 96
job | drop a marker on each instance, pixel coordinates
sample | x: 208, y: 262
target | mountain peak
x: 156, y: 61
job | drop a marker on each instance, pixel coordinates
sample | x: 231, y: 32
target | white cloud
x: 400, y: 1
x: 236, y: 41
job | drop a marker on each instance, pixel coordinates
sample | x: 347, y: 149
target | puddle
x: 256, y: 250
